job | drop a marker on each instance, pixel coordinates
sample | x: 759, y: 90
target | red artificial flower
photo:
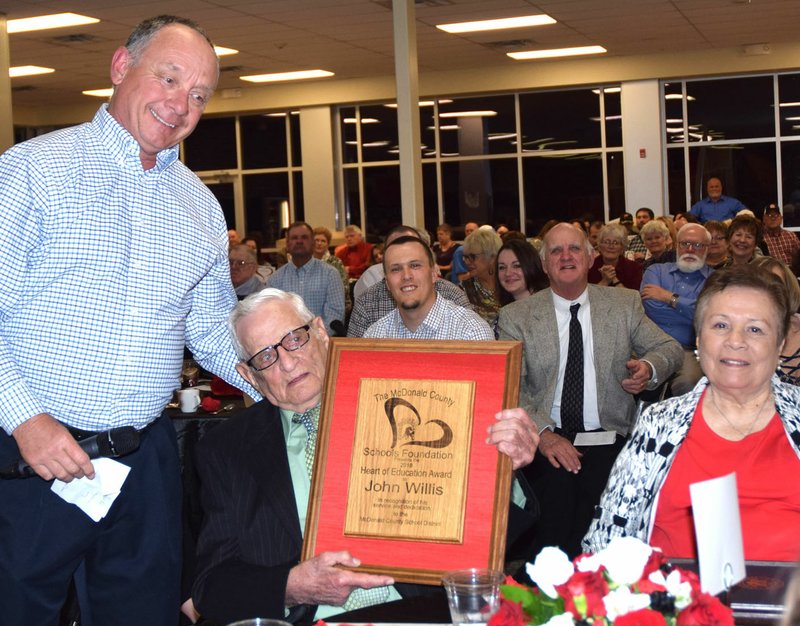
x: 513, y: 583
x: 509, y: 614
x: 705, y: 610
x: 642, y: 617
x: 693, y: 580
x: 654, y: 563
x: 588, y: 587
x: 648, y: 586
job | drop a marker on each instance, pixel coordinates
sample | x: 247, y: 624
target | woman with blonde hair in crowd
x: 673, y: 230
x: 480, y: 252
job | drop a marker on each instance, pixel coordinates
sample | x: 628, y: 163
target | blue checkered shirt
x: 106, y: 270
x: 445, y: 320
x: 317, y: 283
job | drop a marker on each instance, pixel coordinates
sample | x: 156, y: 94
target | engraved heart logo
x: 408, y: 427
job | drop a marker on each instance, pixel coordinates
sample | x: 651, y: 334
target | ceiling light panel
x: 44, y: 22
x: 552, y: 53
x: 523, y: 21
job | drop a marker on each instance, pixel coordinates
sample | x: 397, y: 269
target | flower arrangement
x: 627, y: 584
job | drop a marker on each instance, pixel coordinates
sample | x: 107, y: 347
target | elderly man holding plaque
x: 255, y: 472
x: 588, y: 350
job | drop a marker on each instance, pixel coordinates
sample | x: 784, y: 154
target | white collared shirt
x: 591, y: 413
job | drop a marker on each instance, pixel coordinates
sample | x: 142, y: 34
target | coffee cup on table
x: 189, y: 399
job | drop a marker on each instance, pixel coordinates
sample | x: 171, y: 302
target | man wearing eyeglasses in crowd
x: 255, y: 474
x: 669, y: 294
x: 244, y: 270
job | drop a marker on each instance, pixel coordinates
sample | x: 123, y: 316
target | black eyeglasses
x: 236, y: 263
x: 471, y: 257
x: 291, y: 341
x: 692, y: 245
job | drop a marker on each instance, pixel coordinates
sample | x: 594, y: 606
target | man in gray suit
x: 588, y: 351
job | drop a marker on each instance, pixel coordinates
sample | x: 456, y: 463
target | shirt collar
x: 562, y: 304
x: 123, y: 148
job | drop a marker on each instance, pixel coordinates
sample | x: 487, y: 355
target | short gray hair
x: 654, y: 227
x: 143, y: 34
x: 255, y: 301
x: 614, y: 231
x: 588, y: 248
x: 688, y: 226
x: 251, y: 254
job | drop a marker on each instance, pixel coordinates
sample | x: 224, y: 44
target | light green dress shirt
x: 295, y: 435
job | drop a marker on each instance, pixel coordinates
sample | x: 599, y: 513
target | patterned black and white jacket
x: 629, y: 502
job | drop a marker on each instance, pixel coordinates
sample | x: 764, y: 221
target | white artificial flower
x: 565, y: 619
x: 681, y: 591
x: 622, y: 601
x: 625, y: 558
x: 589, y: 563
x: 657, y: 578
x: 551, y: 568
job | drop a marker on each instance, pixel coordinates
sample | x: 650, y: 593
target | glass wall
x: 742, y: 130
x: 255, y: 158
x: 514, y: 159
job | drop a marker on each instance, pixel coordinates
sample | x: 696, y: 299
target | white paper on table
x: 599, y: 438
x: 718, y: 528
x: 94, y: 497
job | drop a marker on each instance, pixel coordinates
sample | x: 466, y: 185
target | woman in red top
x: 740, y: 419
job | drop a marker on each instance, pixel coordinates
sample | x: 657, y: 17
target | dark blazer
x: 620, y: 330
x: 250, y: 536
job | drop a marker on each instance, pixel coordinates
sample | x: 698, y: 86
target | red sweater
x: 355, y: 259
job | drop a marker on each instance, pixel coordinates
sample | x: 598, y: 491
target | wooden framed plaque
x: 404, y: 478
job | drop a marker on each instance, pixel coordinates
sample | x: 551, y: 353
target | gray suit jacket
x: 620, y: 331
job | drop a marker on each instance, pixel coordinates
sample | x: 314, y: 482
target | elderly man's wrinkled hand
x: 560, y: 451
x: 514, y: 433
x: 640, y: 376
x: 319, y: 581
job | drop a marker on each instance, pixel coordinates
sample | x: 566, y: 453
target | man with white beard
x: 669, y: 294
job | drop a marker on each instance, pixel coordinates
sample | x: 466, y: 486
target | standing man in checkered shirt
x: 92, y: 331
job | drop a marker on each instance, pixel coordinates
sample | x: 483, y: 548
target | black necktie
x: 572, y: 391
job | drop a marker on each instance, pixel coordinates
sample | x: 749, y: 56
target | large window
x: 514, y: 159
x: 743, y: 130
x: 252, y: 162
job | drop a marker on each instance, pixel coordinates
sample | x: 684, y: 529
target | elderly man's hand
x: 640, y: 375
x: 560, y: 451
x: 514, y: 434
x: 319, y: 581
x: 50, y: 450
x: 654, y: 292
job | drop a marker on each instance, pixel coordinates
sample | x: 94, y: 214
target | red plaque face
x: 404, y: 479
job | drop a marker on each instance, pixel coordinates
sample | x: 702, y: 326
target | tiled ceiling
x: 353, y: 38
